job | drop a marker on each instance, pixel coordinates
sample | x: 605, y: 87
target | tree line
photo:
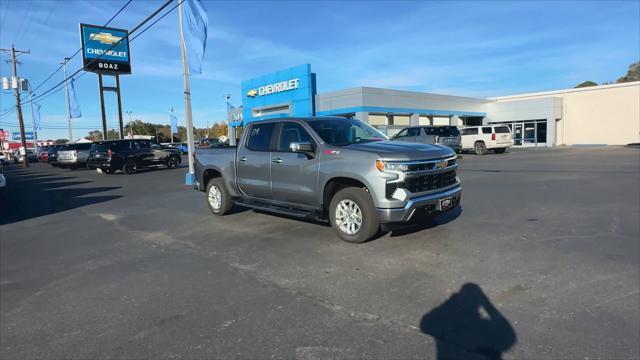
x: 633, y: 74
x: 161, y: 132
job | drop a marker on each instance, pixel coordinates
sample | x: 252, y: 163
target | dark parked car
x: 52, y: 155
x: 444, y: 135
x: 130, y: 155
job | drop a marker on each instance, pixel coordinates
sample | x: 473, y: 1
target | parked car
x: 131, y: 155
x: 183, y: 148
x: 444, y: 135
x: 52, y: 154
x: 212, y: 143
x: 43, y: 153
x: 30, y: 153
x: 4, y: 158
x: 74, y: 155
x: 329, y: 168
x: 481, y: 139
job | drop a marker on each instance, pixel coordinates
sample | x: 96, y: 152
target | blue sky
x: 456, y: 47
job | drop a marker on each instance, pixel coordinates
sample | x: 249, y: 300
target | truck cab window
x: 292, y: 132
x: 260, y: 137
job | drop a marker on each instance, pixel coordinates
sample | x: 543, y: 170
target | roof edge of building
x: 562, y: 91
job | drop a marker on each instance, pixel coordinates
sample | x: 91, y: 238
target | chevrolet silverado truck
x: 329, y: 168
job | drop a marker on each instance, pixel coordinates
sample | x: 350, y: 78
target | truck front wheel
x: 353, y: 215
x: 218, y: 197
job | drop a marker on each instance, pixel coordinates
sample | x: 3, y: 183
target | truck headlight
x: 389, y: 166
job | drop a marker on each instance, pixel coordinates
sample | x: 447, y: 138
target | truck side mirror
x: 301, y: 147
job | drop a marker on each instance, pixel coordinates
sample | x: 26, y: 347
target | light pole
x: 171, y: 124
x: 130, y: 124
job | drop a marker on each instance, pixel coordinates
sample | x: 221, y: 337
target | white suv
x: 480, y: 139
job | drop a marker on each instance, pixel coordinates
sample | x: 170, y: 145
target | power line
x: 77, y: 51
x: 112, y: 46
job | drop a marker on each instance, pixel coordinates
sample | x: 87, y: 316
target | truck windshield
x: 342, y: 132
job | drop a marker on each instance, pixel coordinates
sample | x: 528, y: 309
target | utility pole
x: 187, y: 99
x: 130, y: 124
x: 66, y: 93
x: 16, y: 91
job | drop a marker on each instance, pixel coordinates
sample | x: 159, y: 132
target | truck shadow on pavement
x: 468, y: 326
x: 30, y: 194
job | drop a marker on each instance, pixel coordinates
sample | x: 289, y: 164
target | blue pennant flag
x: 174, y: 124
x: 74, y: 107
x: 194, y: 28
x: 36, y: 116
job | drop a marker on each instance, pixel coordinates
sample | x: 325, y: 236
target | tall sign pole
x: 187, y: 99
x: 66, y: 93
x: 16, y: 91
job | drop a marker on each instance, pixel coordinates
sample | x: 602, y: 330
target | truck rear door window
x: 260, y: 137
x: 502, y: 130
x: 486, y: 130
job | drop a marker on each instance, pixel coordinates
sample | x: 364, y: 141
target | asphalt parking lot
x: 540, y: 261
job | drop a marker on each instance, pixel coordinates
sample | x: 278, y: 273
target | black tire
x: 500, y: 150
x: 225, y: 203
x: 370, y: 224
x: 172, y: 162
x: 480, y: 148
x: 130, y: 167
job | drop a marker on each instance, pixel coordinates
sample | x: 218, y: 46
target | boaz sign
x: 105, y: 50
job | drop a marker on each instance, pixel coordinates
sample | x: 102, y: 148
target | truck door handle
x: 277, y: 160
x: 244, y: 158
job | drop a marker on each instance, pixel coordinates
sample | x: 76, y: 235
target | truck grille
x: 430, y: 182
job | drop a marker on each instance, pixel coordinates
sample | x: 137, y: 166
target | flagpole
x: 66, y: 92
x: 171, y: 124
x: 187, y: 99
x: 33, y: 122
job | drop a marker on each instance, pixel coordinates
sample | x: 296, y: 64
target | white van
x: 481, y: 139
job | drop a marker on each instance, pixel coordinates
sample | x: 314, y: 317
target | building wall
x: 607, y: 114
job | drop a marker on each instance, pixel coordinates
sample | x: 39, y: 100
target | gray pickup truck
x: 329, y: 168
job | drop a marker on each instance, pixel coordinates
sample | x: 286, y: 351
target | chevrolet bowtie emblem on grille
x: 442, y: 164
x: 105, y: 38
x: 252, y: 93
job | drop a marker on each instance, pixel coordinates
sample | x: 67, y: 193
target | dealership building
x: 598, y: 115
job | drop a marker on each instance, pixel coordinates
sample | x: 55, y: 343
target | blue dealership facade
x: 536, y: 119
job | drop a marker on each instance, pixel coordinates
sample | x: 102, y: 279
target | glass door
x: 517, y: 134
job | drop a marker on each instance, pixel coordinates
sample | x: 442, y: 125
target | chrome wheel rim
x: 348, y: 217
x: 215, y: 197
x: 131, y: 167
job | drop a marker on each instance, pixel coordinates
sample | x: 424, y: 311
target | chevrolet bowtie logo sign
x: 442, y: 164
x: 105, y: 38
x: 252, y: 93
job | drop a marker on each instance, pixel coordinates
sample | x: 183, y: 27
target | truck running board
x: 290, y: 211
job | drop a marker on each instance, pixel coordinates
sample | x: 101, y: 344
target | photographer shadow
x: 468, y: 326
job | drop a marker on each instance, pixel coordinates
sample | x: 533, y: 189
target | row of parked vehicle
x: 479, y: 139
x: 128, y: 155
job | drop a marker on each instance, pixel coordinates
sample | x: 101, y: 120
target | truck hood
x: 403, y: 151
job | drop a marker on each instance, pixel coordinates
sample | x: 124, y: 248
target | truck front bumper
x: 430, y: 203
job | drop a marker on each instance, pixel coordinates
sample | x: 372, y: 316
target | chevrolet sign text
x: 276, y: 88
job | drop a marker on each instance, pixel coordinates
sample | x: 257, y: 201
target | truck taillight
x: 493, y: 136
x: 109, y: 153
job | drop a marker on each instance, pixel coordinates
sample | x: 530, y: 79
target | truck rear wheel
x: 218, y: 197
x: 353, y: 215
